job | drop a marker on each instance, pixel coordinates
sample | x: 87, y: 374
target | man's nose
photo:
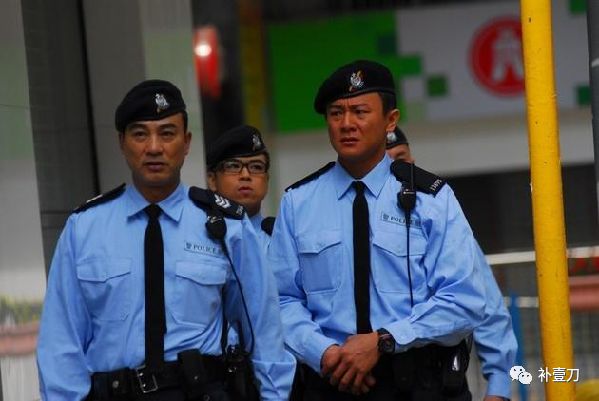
x: 347, y: 120
x: 154, y: 144
x: 245, y: 172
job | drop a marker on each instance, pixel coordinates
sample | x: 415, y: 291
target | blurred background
x: 65, y: 65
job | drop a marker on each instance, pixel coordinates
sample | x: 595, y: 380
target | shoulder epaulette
x: 206, y: 199
x: 267, y: 225
x: 311, y: 177
x: 423, y: 180
x: 97, y: 200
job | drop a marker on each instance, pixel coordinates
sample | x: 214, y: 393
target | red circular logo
x: 496, y: 57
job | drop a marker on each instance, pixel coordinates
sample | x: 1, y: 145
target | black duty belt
x: 131, y: 382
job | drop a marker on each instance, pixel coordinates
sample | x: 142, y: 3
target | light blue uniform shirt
x: 93, y: 316
x: 264, y: 240
x: 262, y: 235
x: 495, y: 341
x: 311, y: 253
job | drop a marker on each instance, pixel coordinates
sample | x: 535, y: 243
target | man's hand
x: 358, y: 356
x: 330, y: 359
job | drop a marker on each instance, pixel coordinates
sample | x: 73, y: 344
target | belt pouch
x: 194, y: 373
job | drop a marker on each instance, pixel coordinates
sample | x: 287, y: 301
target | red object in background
x: 496, y: 57
x: 206, y: 48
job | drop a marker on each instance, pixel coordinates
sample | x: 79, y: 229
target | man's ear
x: 211, y: 181
x: 392, y: 120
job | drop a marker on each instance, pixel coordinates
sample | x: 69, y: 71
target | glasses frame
x: 246, y: 165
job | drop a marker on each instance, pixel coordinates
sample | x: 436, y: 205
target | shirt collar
x: 172, y: 206
x: 374, y: 180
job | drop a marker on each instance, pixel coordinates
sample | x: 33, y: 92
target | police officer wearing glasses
x: 238, y: 163
x: 145, y: 276
x: 374, y: 260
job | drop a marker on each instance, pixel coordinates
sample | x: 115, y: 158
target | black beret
x: 397, y: 137
x: 357, y: 78
x: 241, y: 141
x: 147, y: 101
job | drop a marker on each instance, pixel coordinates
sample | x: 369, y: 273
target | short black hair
x: 389, y: 101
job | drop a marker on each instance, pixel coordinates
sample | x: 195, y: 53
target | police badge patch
x: 161, y: 103
x: 356, y: 81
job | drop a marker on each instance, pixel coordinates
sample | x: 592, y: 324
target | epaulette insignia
x: 267, y: 225
x: 206, y: 199
x: 311, y: 177
x: 423, y: 180
x: 97, y: 200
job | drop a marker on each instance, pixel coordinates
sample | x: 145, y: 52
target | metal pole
x: 547, y: 197
x: 593, y: 30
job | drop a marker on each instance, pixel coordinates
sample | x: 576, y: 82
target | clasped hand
x: 349, y: 366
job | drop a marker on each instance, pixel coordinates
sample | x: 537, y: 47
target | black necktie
x: 361, y: 260
x: 154, y: 286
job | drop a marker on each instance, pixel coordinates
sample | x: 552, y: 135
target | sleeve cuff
x: 499, y: 385
x: 403, y: 333
x: 314, y: 351
x: 275, y: 378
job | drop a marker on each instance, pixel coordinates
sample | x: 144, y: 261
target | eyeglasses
x: 234, y: 166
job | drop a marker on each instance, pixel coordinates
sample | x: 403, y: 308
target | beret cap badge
x: 356, y: 81
x: 161, y: 103
x: 256, y: 143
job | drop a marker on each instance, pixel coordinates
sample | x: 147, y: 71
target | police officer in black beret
x: 238, y: 163
x: 145, y: 277
x: 374, y: 264
x: 398, y: 146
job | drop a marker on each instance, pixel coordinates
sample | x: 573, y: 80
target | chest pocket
x: 197, y: 292
x: 320, y: 258
x: 105, y: 284
x: 391, y: 275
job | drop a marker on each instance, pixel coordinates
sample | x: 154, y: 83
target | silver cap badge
x: 257, y: 144
x: 161, y: 103
x: 356, y: 80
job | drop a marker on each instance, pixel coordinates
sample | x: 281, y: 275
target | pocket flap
x: 103, y: 269
x: 208, y: 273
x: 397, y: 245
x: 316, y: 243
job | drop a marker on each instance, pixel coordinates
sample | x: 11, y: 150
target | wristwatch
x: 386, y: 344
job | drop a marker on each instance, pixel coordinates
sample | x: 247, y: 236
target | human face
x: 357, y: 130
x: 244, y: 188
x: 155, y: 152
x: 401, y: 152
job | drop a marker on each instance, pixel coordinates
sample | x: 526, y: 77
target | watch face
x: 386, y: 344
